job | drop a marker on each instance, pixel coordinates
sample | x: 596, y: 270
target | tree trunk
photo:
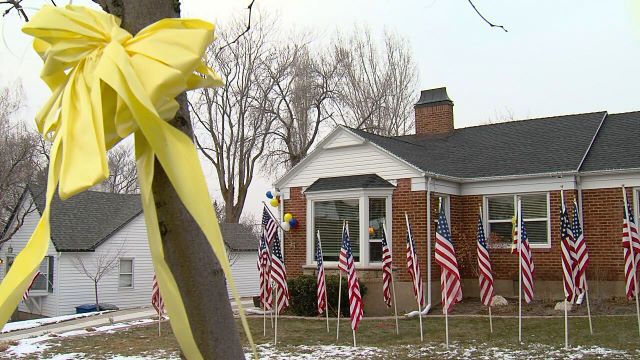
x: 95, y: 289
x: 193, y: 264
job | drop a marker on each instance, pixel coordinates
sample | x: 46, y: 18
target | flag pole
x: 326, y: 303
x: 578, y: 204
x: 490, y: 321
x: 415, y: 276
x: 159, y: 324
x: 393, y: 285
x: 519, y: 232
x: 633, y: 256
x: 339, y: 300
x: 566, y: 319
x: 488, y: 306
x: 354, y: 337
x: 275, y: 338
x: 586, y: 294
x: 446, y: 310
x: 339, y: 293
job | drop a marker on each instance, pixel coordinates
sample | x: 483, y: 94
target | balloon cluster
x: 289, y: 221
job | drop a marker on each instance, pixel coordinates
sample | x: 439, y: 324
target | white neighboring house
x: 93, y: 224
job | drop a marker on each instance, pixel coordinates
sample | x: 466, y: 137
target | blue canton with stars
x: 443, y: 226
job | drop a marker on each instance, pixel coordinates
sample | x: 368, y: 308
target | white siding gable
x: 77, y: 289
x: 344, y: 154
x: 41, y: 303
x: 245, y: 273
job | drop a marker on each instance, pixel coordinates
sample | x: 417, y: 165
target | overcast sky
x: 559, y: 57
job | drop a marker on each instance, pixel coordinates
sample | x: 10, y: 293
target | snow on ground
x: 39, y: 344
x: 481, y: 351
x: 28, y: 324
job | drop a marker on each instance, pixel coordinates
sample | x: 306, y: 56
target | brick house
x: 369, y: 179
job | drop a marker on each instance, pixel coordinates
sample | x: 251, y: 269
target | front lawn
x: 615, y: 337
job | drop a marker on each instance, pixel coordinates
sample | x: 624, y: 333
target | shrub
x: 303, y: 302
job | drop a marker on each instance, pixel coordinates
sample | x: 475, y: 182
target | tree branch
x: 485, y: 19
x: 250, y: 8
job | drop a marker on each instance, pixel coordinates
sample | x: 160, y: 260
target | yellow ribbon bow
x: 107, y: 84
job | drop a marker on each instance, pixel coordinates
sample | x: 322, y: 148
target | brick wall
x: 414, y: 203
x: 434, y: 119
x: 602, y: 229
x: 295, y: 241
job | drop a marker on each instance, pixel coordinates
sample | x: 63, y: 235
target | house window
x: 44, y: 281
x: 125, y: 279
x: 366, y: 211
x: 328, y: 217
x: 377, y: 217
x: 435, y: 207
x: 535, y: 212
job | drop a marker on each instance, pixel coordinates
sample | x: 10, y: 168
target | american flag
x: 347, y: 265
x: 582, y: 254
x: 568, y: 255
x: 629, y: 236
x: 412, y: 261
x: 156, y: 298
x: 528, y: 269
x: 386, y: 269
x: 279, y: 274
x: 321, y: 291
x: 450, y: 286
x: 269, y: 228
x: 25, y: 296
x: 484, y: 267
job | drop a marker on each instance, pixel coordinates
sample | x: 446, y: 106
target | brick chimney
x: 434, y: 112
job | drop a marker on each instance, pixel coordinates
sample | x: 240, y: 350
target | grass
x: 541, y: 337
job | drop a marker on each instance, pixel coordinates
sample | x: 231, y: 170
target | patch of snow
x: 499, y: 301
x: 29, y: 324
x: 306, y: 352
x: 560, y: 306
x: 424, y: 312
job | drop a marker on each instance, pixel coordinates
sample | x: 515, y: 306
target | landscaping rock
x: 499, y: 301
x: 560, y: 306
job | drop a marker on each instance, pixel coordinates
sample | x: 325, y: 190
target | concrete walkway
x: 95, y: 321
x: 82, y: 323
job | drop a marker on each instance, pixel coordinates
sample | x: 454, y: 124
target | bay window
x: 501, y: 209
x: 366, y: 212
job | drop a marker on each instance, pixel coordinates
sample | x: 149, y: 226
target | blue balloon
x: 293, y: 222
x: 269, y: 195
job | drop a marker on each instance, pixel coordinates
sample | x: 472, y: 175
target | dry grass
x: 618, y: 332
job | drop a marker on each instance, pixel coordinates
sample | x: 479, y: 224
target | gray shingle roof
x: 239, y: 237
x: 546, y: 145
x: 368, y: 181
x: 616, y: 145
x: 84, y: 221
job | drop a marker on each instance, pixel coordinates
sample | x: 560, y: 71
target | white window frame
x: 487, y: 222
x: 447, y: 208
x: 132, y: 273
x: 47, y: 276
x: 362, y: 195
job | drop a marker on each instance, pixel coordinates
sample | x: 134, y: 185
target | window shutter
x: 50, y: 277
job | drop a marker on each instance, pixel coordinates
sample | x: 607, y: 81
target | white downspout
x: 429, y: 243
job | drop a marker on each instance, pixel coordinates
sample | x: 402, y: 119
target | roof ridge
x: 534, y: 119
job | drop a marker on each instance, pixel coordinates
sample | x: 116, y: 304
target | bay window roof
x: 367, y: 181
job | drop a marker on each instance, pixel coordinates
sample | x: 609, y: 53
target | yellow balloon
x: 274, y: 202
x: 288, y: 217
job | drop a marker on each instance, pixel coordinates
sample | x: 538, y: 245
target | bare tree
x: 96, y: 265
x: 19, y: 160
x: 379, y: 86
x: 231, y: 128
x: 305, y: 82
x: 123, y: 174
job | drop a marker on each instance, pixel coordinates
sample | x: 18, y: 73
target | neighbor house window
x: 44, y: 281
x: 535, y: 212
x: 328, y: 217
x: 377, y: 217
x: 126, y: 273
